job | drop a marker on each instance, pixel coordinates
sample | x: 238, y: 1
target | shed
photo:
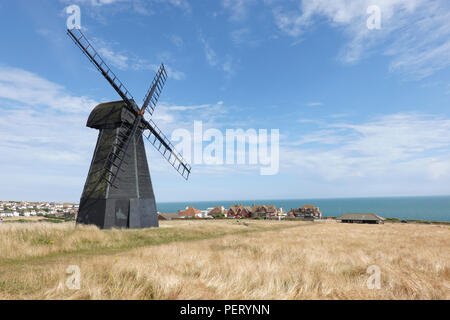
x: 371, y: 218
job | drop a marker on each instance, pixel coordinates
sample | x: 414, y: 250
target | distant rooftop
x: 361, y: 216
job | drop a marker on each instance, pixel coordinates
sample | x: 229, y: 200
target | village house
x: 217, y: 211
x: 205, y: 214
x: 190, y: 212
x: 239, y: 211
x: 307, y: 212
x: 264, y: 211
x: 67, y: 205
x: 27, y: 209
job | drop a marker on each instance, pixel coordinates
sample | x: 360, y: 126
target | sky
x: 361, y: 112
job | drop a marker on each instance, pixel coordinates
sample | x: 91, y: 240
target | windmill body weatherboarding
x: 118, y: 192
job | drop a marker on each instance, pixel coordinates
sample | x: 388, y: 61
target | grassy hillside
x: 225, y: 260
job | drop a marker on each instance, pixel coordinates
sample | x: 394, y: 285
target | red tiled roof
x: 189, y: 212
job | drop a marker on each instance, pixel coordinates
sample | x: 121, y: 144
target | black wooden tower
x: 118, y: 192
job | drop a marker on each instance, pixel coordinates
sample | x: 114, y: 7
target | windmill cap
x: 109, y: 115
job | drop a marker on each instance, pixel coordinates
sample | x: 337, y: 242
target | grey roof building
x: 168, y: 216
x: 361, y: 218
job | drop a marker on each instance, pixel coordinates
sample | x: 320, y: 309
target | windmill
x: 118, y: 192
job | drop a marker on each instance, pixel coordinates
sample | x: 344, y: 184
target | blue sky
x: 360, y: 112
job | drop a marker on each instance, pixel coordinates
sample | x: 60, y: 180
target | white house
x: 204, y: 213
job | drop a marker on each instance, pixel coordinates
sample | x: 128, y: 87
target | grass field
x: 225, y: 260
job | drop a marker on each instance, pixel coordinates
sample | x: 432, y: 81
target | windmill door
x: 122, y: 213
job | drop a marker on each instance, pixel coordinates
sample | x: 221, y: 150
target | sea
x: 436, y: 208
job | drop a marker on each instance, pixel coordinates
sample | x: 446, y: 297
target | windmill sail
x: 116, y: 156
x: 129, y: 129
x: 83, y: 43
x: 166, y: 148
x: 152, y: 96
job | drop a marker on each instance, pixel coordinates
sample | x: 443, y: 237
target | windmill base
x: 118, y: 213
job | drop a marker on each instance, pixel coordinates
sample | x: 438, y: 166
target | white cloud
x: 138, y: 5
x: 142, y: 64
x: 96, y: 3
x: 122, y: 61
x: 187, y: 108
x: 31, y: 90
x: 182, y: 4
x: 238, y: 36
x: 177, y: 41
x: 44, y: 134
x: 415, y: 33
x: 228, y: 66
x: 210, y: 54
x: 213, y: 60
x: 405, y: 145
x: 238, y: 8
x: 244, y: 36
x: 175, y: 116
x: 119, y: 61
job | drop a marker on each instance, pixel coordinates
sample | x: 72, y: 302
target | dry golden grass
x: 226, y: 260
x: 29, y: 219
